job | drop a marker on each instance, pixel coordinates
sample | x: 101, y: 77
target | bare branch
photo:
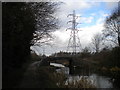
x: 112, y: 27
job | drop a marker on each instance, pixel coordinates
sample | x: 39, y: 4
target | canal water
x: 98, y: 81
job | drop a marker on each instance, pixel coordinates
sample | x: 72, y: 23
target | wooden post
x: 71, y: 68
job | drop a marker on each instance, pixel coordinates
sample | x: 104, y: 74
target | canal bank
x: 95, y: 79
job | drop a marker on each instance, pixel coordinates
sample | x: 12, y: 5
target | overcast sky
x: 91, y: 16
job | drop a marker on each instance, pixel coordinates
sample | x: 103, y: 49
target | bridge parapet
x: 58, y: 58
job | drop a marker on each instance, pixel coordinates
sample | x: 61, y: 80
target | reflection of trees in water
x: 83, y: 69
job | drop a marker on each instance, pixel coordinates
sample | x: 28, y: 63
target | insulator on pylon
x: 74, y: 41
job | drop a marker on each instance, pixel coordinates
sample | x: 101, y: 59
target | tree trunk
x: 119, y: 40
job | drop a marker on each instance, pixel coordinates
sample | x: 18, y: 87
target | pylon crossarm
x: 69, y: 22
x: 70, y: 15
x: 68, y: 29
x: 74, y: 40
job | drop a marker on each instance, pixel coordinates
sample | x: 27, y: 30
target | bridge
x: 48, y: 60
x: 72, y: 63
x: 61, y: 60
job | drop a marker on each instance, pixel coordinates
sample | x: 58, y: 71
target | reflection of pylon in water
x: 74, y: 41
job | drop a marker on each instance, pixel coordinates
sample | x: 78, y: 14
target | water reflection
x: 98, y: 81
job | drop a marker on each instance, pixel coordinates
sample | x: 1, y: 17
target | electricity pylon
x: 74, y: 41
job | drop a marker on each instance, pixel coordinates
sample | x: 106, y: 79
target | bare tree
x: 97, y: 42
x: 86, y: 50
x: 112, y: 27
x: 46, y: 22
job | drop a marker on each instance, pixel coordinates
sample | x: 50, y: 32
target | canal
x: 95, y: 79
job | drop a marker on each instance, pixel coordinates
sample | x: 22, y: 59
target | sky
x: 91, y: 16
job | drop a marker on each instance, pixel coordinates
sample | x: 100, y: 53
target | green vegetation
x: 106, y: 62
x: 20, y: 33
x: 101, y: 63
x: 16, y: 36
x: 21, y: 23
x: 47, y: 77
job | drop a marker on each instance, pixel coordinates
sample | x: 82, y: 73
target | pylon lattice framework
x: 74, y: 40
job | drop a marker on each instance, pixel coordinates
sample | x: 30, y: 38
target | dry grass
x: 61, y: 82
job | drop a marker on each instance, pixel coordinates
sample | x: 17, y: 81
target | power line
x: 74, y: 41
